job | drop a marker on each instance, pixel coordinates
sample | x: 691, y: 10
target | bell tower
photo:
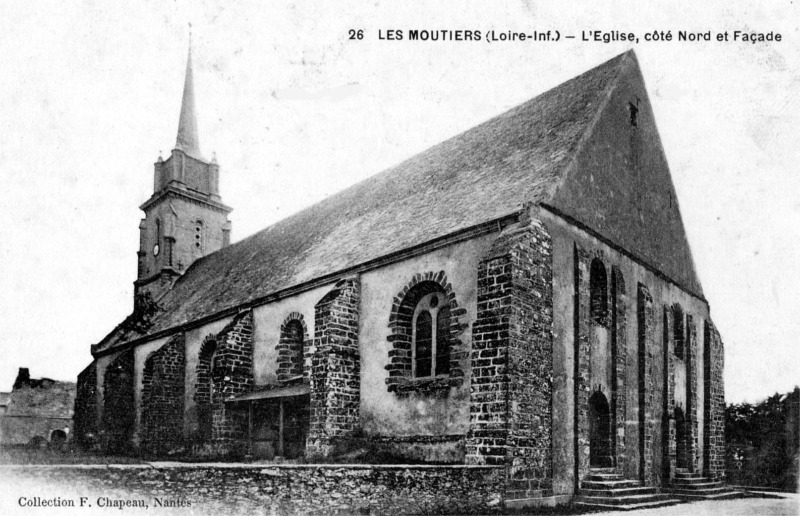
x: 184, y: 218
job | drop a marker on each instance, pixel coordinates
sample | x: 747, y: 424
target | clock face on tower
x: 155, y: 250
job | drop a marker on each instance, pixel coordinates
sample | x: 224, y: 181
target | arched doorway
x: 680, y: 440
x: 599, y: 432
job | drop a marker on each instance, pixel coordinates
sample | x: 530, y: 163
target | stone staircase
x: 607, y: 490
x: 692, y: 486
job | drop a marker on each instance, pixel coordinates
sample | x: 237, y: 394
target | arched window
x: 199, y: 237
x: 599, y: 292
x: 430, y: 338
x: 290, y: 348
x: 426, y: 323
x: 678, y: 330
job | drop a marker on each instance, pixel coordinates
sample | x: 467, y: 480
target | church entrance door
x: 680, y: 439
x: 599, y: 432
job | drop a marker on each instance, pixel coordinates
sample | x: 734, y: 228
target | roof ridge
x: 474, y: 176
x: 623, y: 59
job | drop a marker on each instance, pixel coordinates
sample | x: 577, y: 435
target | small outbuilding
x: 37, y: 411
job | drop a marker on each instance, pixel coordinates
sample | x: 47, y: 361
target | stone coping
x: 228, y: 465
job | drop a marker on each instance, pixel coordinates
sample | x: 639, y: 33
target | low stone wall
x: 287, y: 489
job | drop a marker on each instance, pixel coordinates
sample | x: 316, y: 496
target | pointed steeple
x: 187, y: 140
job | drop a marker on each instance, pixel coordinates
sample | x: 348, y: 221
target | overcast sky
x: 295, y: 111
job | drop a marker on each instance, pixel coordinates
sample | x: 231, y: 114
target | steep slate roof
x: 480, y: 175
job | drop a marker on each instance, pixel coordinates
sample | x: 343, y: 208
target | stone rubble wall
x: 619, y: 355
x: 582, y: 360
x: 163, y: 388
x: 335, y: 368
x: 512, y: 356
x: 233, y: 375
x: 669, y: 425
x: 646, y: 385
x: 119, y: 407
x: 714, y: 399
x: 692, y: 430
x: 289, y: 489
x: 85, y: 418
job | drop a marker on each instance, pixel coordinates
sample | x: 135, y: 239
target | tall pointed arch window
x: 430, y: 338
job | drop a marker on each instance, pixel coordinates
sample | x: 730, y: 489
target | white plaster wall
x: 385, y: 413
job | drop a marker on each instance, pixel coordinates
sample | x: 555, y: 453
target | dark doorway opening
x: 279, y: 427
x: 681, y: 452
x: 58, y: 437
x: 600, y: 452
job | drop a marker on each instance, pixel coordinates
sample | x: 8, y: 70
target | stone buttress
x: 512, y: 360
x: 335, y: 369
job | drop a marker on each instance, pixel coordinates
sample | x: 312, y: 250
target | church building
x: 520, y: 295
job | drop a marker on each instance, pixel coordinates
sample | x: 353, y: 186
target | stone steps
x: 615, y: 484
x: 697, y: 485
x: 716, y: 494
x: 617, y: 500
x: 693, y: 486
x: 605, y: 489
x: 623, y: 491
x: 630, y: 507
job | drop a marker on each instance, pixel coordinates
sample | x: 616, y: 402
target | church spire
x: 187, y: 140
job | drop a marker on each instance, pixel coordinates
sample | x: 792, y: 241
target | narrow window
x: 678, y: 330
x: 598, y: 286
x: 157, y: 245
x: 291, y: 354
x: 423, y: 344
x: 431, y: 336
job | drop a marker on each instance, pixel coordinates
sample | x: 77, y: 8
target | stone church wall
x: 163, y: 386
x: 195, y: 338
x: 512, y: 361
x: 594, y: 354
x: 618, y: 384
x: 423, y: 420
x: 119, y: 407
x: 335, y: 368
x: 267, y: 322
x: 86, y: 406
x: 140, y: 356
x: 714, y: 404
